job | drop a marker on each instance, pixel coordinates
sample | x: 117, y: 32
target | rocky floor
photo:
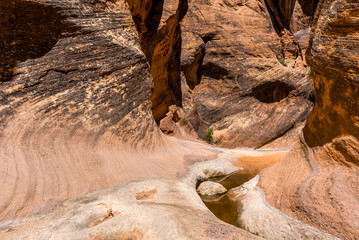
x: 89, y: 87
x: 151, y: 209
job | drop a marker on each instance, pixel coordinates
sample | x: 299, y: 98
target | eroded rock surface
x: 317, y: 182
x: 162, y: 47
x: 239, y: 75
x: 84, y: 85
x: 147, y: 209
x: 333, y: 56
x: 75, y: 109
x: 209, y: 188
x: 318, y: 186
x: 257, y: 216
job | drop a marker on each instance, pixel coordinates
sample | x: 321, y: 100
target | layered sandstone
x: 239, y: 75
x: 317, y: 182
x: 85, y: 84
x: 142, y: 209
x: 75, y: 105
x: 333, y: 57
x: 162, y: 47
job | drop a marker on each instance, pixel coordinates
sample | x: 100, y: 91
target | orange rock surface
x: 317, y: 182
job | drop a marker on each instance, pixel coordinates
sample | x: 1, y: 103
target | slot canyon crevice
x: 124, y: 119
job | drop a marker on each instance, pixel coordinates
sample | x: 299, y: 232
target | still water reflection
x: 222, y: 206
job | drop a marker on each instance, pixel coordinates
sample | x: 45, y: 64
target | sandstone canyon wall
x: 206, y: 55
x: 333, y: 57
x: 239, y: 75
x: 317, y: 183
x: 75, y: 96
x: 85, y: 84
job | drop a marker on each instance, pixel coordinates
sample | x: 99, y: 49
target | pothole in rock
x: 271, y: 92
x: 222, y: 206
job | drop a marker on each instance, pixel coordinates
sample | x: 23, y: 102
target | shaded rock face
x: 309, y: 6
x: 333, y: 57
x: 317, y: 182
x: 162, y: 47
x: 232, y: 78
x: 281, y: 12
x: 29, y: 33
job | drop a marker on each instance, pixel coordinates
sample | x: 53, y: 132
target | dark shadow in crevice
x: 28, y: 30
x: 162, y: 48
x: 271, y: 92
x: 208, y: 36
x: 309, y: 6
x: 277, y: 22
x: 192, y: 71
x: 213, y: 71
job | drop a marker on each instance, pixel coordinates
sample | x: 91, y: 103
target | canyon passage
x: 179, y: 119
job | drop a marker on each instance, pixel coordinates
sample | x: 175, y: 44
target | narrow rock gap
x: 162, y: 48
x: 281, y: 14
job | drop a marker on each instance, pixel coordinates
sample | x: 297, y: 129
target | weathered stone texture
x: 318, y: 184
x: 333, y: 56
x: 235, y: 82
x: 75, y: 104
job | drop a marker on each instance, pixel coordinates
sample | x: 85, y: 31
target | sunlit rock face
x: 205, y: 56
x: 75, y: 105
x: 333, y: 57
x: 72, y: 87
x: 241, y: 73
x: 317, y: 182
x: 85, y: 84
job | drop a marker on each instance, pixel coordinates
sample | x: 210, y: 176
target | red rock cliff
x: 317, y: 182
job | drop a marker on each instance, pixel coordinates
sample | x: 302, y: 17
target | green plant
x: 208, y: 136
x: 222, y: 146
x: 282, y: 61
x: 309, y: 72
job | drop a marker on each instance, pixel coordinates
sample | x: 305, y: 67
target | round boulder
x: 209, y: 188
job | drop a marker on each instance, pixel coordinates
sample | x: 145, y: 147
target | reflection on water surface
x: 222, y: 206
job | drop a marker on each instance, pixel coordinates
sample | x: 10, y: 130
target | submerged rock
x: 147, y: 209
x: 209, y: 188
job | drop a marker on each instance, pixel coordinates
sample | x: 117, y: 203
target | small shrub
x: 208, y: 136
x: 282, y: 61
x: 222, y: 146
x: 309, y: 72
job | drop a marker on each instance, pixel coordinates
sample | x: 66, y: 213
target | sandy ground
x: 255, y: 160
